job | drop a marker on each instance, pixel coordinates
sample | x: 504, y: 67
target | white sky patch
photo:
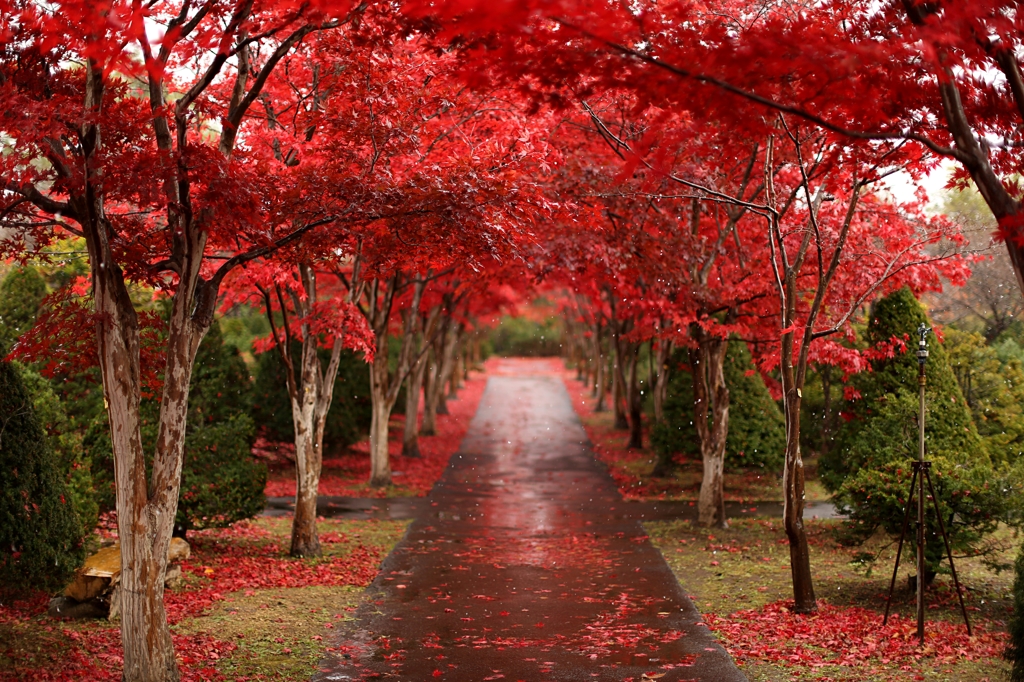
x: 902, y: 187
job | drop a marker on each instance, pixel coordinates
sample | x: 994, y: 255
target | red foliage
x: 225, y: 561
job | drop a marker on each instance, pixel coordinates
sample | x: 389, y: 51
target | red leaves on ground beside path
x: 219, y: 566
x: 92, y: 652
x: 242, y: 557
x: 347, y: 474
x: 849, y: 637
x: 610, y: 446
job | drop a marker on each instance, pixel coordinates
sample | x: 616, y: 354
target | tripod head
x: 922, y: 346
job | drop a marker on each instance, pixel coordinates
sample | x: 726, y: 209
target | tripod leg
x: 899, y: 549
x: 949, y: 552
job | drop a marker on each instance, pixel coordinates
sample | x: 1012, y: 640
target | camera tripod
x: 922, y: 473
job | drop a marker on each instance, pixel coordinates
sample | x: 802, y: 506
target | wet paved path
x: 525, y: 567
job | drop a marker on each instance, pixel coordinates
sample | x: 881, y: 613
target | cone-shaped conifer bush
x: 757, y: 432
x: 40, y: 532
x: 66, y: 443
x: 994, y: 391
x: 869, y: 467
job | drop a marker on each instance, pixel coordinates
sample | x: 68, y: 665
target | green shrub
x: 40, y: 532
x: 350, y: 413
x: 757, y: 431
x: 220, y: 482
x: 221, y: 386
x: 66, y: 443
x: 21, y: 293
x: 869, y: 467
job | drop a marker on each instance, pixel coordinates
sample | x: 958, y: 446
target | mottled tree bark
x: 711, y: 417
x: 385, y: 386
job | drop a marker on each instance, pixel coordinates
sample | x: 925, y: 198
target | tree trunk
x: 145, y: 507
x: 380, y: 463
x: 453, y: 378
x: 308, y: 460
x: 793, y: 469
x: 310, y: 393
x: 661, y: 379
x: 310, y: 405
x: 711, y: 417
x: 145, y: 635
x: 635, y: 401
x: 793, y: 509
x: 385, y: 386
x: 430, y: 394
x: 447, y: 367
x: 618, y: 384
x: 411, y: 435
x: 600, y: 372
x: 577, y: 356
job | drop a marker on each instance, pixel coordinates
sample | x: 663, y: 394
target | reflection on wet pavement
x: 525, y: 564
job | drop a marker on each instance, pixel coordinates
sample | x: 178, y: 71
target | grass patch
x: 279, y: 634
x: 737, y: 575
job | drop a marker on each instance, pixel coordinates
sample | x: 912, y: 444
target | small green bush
x: 994, y: 390
x: 757, y: 431
x: 40, y: 531
x: 220, y: 483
